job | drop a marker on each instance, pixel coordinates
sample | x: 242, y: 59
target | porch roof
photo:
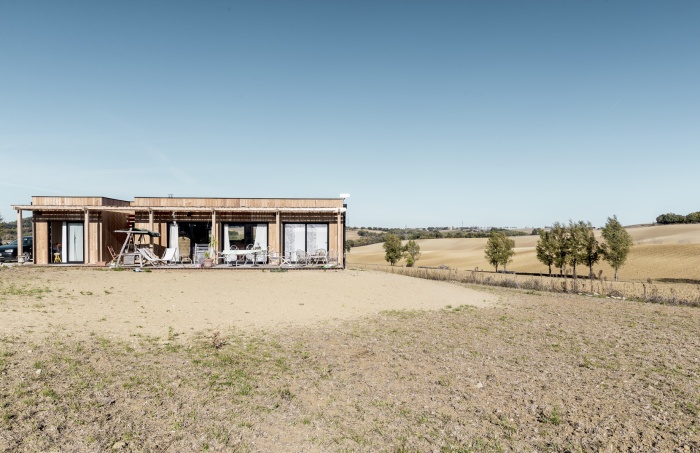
x: 168, y: 209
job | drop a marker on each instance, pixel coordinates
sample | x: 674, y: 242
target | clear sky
x: 444, y: 113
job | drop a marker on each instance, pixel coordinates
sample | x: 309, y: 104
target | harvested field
x: 96, y: 360
x: 660, y: 252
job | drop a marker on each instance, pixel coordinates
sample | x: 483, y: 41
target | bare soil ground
x: 95, y: 360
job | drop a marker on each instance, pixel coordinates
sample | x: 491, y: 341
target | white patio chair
x: 274, y: 258
x: 249, y: 257
x: 320, y: 257
x: 302, y: 258
x: 199, y: 252
x: 231, y: 258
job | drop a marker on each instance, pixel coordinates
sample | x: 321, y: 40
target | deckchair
x: 148, y: 257
x: 170, y: 255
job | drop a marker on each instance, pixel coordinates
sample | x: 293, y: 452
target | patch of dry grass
x: 672, y: 292
x: 547, y: 372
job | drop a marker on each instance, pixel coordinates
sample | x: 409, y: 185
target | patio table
x: 242, y: 252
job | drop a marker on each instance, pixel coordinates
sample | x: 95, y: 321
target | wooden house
x: 81, y: 230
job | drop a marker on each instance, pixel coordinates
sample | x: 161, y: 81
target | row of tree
x: 571, y: 245
x: 368, y: 237
x: 394, y: 251
x: 670, y: 218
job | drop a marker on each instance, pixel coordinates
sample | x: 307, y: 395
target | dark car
x: 8, y: 252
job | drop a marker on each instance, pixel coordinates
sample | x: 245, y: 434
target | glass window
x: 308, y: 237
x: 316, y: 237
x: 74, y: 239
x: 243, y: 235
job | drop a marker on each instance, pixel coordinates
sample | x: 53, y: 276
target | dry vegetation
x: 96, y: 360
x: 664, y: 253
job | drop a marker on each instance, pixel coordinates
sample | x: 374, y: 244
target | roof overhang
x: 169, y: 209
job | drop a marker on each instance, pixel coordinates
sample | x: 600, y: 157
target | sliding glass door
x: 305, y: 237
x: 73, y: 252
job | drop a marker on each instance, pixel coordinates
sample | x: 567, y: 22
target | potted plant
x: 209, y: 254
x: 208, y: 260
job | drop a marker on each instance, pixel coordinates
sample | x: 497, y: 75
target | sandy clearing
x: 165, y: 302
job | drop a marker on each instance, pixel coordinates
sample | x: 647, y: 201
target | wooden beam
x: 340, y: 243
x: 20, y: 250
x: 214, y: 230
x: 150, y: 226
x: 278, y: 246
x: 171, y: 208
x: 86, y: 242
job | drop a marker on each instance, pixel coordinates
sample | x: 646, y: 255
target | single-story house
x: 81, y: 230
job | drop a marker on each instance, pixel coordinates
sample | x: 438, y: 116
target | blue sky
x: 444, y: 113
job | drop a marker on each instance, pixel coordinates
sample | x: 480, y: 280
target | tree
x: 392, y: 247
x: 411, y: 252
x: 693, y: 217
x: 499, y: 249
x: 670, y: 218
x: 617, y: 244
x: 546, y: 249
x: 578, y: 233
x: 560, y: 239
x: 592, y: 250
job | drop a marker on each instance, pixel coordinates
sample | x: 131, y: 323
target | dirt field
x: 659, y: 252
x: 98, y: 360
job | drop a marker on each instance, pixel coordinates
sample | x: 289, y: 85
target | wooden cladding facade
x: 101, y: 216
x: 98, y: 227
x: 250, y: 203
x: 78, y: 201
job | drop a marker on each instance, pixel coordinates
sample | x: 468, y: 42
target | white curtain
x: 64, y: 242
x: 173, y: 235
x: 75, y: 242
x: 260, y: 238
x: 225, y: 245
x: 316, y: 237
x: 294, y: 238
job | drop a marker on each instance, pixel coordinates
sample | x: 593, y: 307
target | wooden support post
x: 340, y: 243
x: 20, y: 251
x: 86, y: 238
x: 214, y: 230
x: 278, y: 246
x: 150, y: 223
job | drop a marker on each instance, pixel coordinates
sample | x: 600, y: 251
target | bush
x: 693, y: 217
x: 670, y: 218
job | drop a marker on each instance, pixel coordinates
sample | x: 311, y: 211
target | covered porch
x: 232, y: 232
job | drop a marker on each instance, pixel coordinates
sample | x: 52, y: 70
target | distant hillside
x: 358, y: 237
x: 659, y: 252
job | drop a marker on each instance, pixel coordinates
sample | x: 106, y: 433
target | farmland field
x: 659, y: 252
x: 354, y: 360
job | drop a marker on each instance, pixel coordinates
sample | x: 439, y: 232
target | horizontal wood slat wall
x: 78, y: 201
x: 103, y: 222
x: 41, y: 247
x: 240, y: 202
